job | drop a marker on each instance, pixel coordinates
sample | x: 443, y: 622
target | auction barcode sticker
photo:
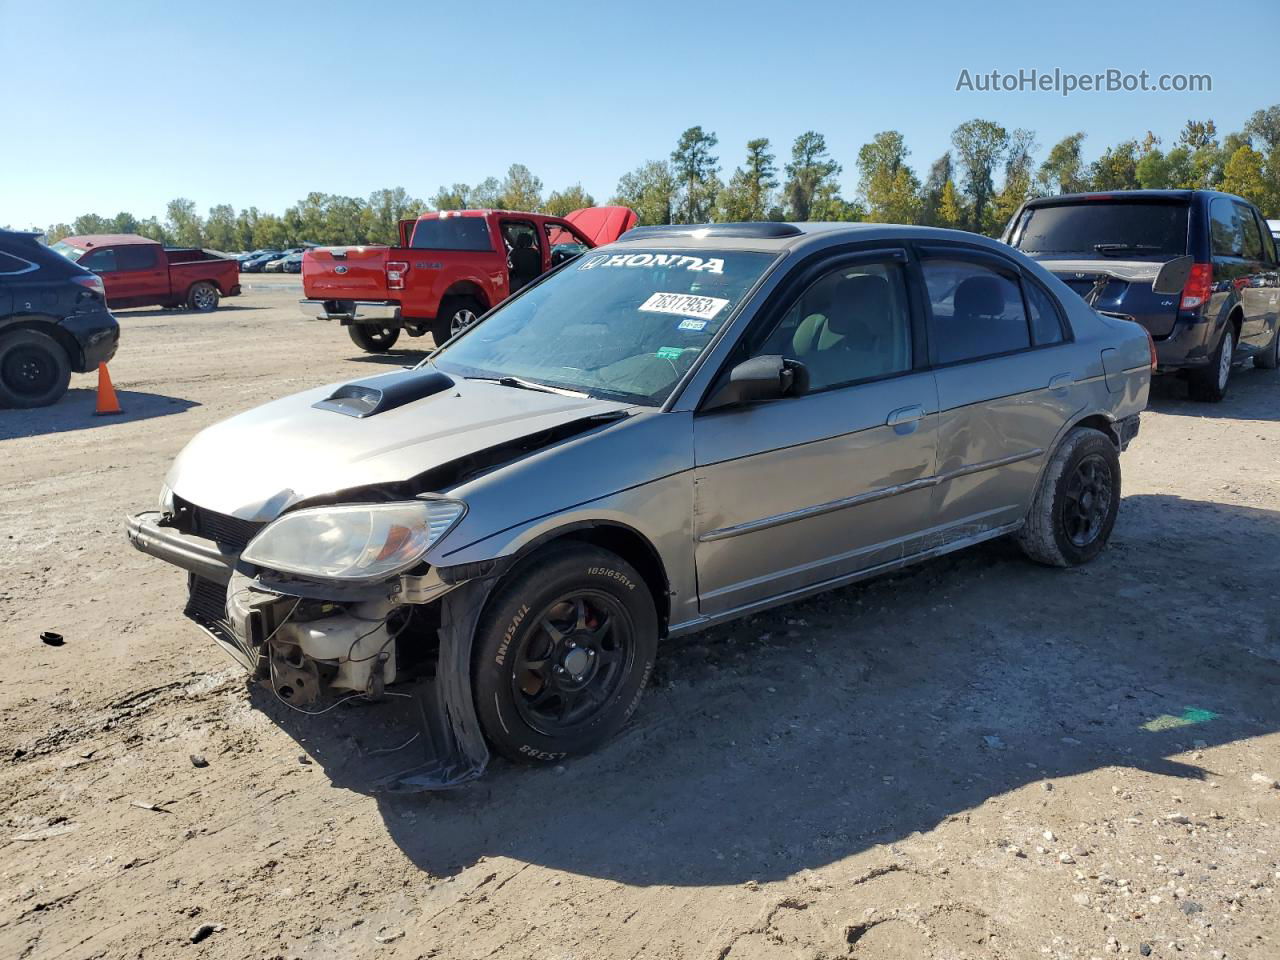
x: 684, y: 305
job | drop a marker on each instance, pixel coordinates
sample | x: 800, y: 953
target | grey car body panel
x: 743, y: 507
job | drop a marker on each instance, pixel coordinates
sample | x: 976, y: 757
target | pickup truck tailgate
x: 345, y: 273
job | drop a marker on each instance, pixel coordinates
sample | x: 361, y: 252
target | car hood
x: 258, y: 463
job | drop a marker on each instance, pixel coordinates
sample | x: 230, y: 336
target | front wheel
x: 372, y: 338
x: 202, y: 297
x: 1209, y: 384
x: 34, y: 369
x: 1075, y: 507
x: 563, y: 653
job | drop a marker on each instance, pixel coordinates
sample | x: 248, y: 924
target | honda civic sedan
x: 689, y: 425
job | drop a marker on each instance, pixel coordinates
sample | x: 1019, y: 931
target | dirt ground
x: 979, y: 758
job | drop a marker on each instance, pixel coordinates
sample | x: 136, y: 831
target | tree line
x: 959, y: 189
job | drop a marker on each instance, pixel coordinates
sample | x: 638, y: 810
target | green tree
x: 520, y: 190
x: 1264, y: 127
x: 649, y: 190
x: 270, y: 233
x: 980, y: 145
x: 485, y: 195
x: 246, y: 228
x: 811, y: 174
x: 940, y: 172
x: 306, y: 220
x: 220, y: 231
x: 1117, y: 168
x: 951, y: 212
x: 1152, y: 170
x: 451, y: 198
x: 749, y: 193
x: 560, y: 203
x: 88, y: 224
x: 385, y: 210
x: 694, y: 167
x: 1018, y: 180
x: 345, y: 221
x: 1198, y: 133
x: 57, y: 231
x: 1063, y: 169
x: 888, y: 185
x: 183, y: 223
x: 1245, y: 175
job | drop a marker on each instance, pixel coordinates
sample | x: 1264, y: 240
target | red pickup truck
x: 138, y: 272
x: 448, y: 269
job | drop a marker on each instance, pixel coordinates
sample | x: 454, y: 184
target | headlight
x: 367, y: 541
x: 166, y: 499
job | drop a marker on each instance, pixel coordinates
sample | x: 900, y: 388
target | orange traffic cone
x: 107, y: 402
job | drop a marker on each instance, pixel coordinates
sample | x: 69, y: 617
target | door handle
x: 905, y: 415
x: 1062, y: 381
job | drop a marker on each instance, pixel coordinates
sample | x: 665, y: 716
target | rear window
x: 452, y: 233
x: 1126, y: 230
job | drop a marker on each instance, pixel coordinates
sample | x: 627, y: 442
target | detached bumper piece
x: 351, y: 311
x: 1127, y: 429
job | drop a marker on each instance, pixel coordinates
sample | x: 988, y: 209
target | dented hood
x: 257, y: 464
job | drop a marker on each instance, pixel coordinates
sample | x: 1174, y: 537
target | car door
x: 141, y: 276
x: 1005, y: 372
x: 807, y: 489
x: 102, y: 261
x: 1254, y: 295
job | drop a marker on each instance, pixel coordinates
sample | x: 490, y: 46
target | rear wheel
x: 1209, y: 384
x: 372, y: 337
x: 34, y: 369
x: 1075, y: 508
x: 1269, y: 358
x: 562, y: 654
x: 202, y: 297
x: 455, y: 315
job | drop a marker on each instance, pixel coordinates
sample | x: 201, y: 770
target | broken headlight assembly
x: 354, y: 542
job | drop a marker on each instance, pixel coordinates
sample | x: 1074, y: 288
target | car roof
x: 1140, y: 195
x: 777, y: 237
x: 107, y: 239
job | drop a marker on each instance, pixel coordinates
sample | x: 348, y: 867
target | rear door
x: 1255, y: 292
x: 1005, y: 375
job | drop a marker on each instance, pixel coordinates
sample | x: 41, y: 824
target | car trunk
x: 1127, y: 293
x: 352, y: 273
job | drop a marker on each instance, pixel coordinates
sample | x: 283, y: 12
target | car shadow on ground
x: 392, y: 358
x: 797, y: 738
x: 1252, y: 394
x: 184, y: 312
x: 75, y: 411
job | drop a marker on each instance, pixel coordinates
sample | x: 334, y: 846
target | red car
x: 139, y: 272
x: 449, y: 268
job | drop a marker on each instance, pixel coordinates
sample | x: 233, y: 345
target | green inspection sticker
x: 669, y: 353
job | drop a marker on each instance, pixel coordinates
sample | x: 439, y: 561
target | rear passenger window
x: 975, y: 311
x: 10, y: 264
x: 137, y: 257
x: 1225, y: 236
x: 1251, y: 245
x: 99, y: 261
x: 1046, y: 322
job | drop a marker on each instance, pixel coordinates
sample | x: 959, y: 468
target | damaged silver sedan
x: 686, y: 426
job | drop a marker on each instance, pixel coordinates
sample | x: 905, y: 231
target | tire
x: 562, y: 654
x: 1209, y: 384
x: 372, y: 338
x: 454, y: 316
x: 1075, y: 508
x: 202, y: 297
x: 1269, y: 357
x: 34, y: 369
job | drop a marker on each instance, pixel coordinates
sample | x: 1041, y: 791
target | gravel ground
x: 976, y: 758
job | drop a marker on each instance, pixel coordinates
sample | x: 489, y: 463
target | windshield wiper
x: 1121, y: 247
x: 522, y: 384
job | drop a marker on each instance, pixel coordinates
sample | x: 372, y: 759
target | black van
x: 1229, y: 309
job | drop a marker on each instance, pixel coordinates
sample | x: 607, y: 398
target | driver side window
x: 850, y: 325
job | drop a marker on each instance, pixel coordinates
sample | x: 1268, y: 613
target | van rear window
x: 1125, y: 230
x: 452, y: 233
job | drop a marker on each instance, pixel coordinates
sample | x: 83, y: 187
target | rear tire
x: 1075, y: 508
x: 34, y: 369
x: 454, y: 316
x: 1269, y: 357
x: 202, y: 297
x: 372, y: 338
x: 1209, y: 384
x: 562, y: 654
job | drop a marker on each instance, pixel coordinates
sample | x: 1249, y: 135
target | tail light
x: 1199, y: 285
x: 1151, y: 346
x: 93, y: 282
x: 396, y: 271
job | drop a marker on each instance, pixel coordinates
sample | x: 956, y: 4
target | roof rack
x: 762, y: 230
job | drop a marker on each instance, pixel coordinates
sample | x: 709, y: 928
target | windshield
x: 71, y: 253
x: 1125, y: 230
x: 452, y: 233
x: 622, y: 326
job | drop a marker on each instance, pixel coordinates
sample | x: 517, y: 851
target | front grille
x: 230, y: 533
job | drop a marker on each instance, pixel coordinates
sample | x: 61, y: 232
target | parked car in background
x: 139, y: 272
x: 276, y: 265
x: 53, y: 320
x: 687, y: 426
x: 291, y: 264
x: 1274, y: 227
x: 449, y: 268
x: 258, y: 264
x: 1230, y: 307
x: 252, y: 255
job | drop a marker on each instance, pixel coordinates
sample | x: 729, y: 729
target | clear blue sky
x: 124, y: 105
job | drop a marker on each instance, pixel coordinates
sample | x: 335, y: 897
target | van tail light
x: 1151, y: 346
x: 1199, y: 285
x: 396, y: 271
x: 93, y: 282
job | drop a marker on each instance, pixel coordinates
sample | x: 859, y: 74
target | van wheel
x: 562, y: 654
x: 1209, y: 384
x: 1075, y: 508
x: 34, y: 369
x: 454, y: 316
x: 1269, y: 358
x: 202, y: 297
x: 372, y: 338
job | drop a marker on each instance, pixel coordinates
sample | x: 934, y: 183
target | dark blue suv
x: 1109, y: 245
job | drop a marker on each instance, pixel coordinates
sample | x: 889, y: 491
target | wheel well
x: 1098, y: 422
x: 467, y: 288
x: 630, y: 546
x: 1236, y: 319
x: 64, y: 339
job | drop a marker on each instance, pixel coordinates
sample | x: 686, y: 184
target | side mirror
x: 1173, y: 276
x: 761, y: 378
